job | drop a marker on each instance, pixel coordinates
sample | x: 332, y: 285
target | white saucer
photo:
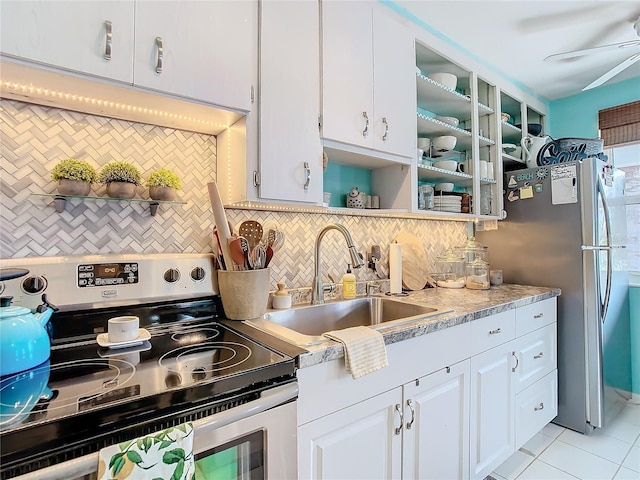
x: 103, y: 340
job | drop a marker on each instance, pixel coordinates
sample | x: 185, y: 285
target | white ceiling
x: 513, y: 37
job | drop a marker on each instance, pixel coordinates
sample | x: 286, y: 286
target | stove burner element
x: 203, y: 361
x: 195, y: 335
x: 85, y: 384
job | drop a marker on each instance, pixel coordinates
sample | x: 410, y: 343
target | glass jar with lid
x: 470, y: 250
x: 450, y: 270
x: 477, y: 274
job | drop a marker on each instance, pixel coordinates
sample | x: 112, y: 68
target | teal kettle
x: 24, y: 339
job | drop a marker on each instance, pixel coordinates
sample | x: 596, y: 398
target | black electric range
x: 86, y: 397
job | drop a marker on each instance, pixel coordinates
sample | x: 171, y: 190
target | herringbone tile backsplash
x: 34, y: 138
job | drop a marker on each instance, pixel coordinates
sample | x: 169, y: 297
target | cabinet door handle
x: 496, y: 331
x: 513, y: 354
x: 539, y: 407
x: 365, y: 132
x: 540, y: 355
x: 386, y: 129
x: 107, y: 48
x: 399, y: 412
x: 160, y: 54
x: 539, y: 315
x: 307, y: 174
x: 413, y: 414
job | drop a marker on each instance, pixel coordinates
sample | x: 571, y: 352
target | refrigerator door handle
x: 607, y: 228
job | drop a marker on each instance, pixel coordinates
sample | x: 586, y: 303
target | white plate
x: 103, y: 340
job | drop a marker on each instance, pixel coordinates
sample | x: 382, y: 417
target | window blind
x: 620, y: 125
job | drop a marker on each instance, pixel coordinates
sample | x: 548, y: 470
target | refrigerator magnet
x: 512, y: 182
x: 537, y: 188
x: 526, y: 191
x: 512, y: 196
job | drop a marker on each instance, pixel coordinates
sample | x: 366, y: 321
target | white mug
x: 490, y: 172
x: 483, y: 168
x: 123, y: 329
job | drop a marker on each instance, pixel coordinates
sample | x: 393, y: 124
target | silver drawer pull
x: 497, y: 330
x: 539, y: 407
x: 540, y: 315
x: 107, y: 47
x: 413, y: 415
x: 365, y: 132
x: 160, y: 54
x: 386, y: 129
x: 307, y: 174
x: 540, y: 355
x: 399, y: 412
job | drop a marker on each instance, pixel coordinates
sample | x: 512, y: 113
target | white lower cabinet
x: 479, y: 393
x: 492, y: 399
x: 363, y: 441
x: 436, y: 425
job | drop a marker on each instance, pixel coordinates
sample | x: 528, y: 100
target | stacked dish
x: 447, y: 203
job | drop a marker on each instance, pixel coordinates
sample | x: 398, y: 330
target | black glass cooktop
x: 85, y: 391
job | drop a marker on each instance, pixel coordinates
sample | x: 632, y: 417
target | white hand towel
x: 364, y: 349
x: 167, y: 454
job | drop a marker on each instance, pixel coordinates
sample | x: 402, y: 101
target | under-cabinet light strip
x: 21, y: 88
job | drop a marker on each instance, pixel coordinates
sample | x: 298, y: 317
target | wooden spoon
x: 239, y: 249
x: 252, y: 231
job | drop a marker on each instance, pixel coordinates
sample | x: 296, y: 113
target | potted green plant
x: 121, y: 179
x: 163, y: 184
x: 74, y: 177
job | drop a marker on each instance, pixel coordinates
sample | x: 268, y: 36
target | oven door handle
x: 89, y: 463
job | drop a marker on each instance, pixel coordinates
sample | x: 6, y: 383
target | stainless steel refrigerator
x: 565, y: 227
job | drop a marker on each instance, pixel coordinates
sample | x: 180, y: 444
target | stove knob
x: 198, y: 374
x: 172, y: 380
x: 34, y: 284
x: 172, y: 275
x: 197, y: 274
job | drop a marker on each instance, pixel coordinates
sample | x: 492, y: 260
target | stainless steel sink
x: 305, y: 325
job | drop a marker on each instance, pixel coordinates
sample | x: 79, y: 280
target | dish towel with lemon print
x: 165, y: 455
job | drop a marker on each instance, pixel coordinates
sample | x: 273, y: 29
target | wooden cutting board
x: 414, y: 261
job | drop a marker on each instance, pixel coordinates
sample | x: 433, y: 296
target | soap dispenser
x: 281, y: 298
x: 348, y: 284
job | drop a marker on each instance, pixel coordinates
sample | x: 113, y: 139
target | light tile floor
x: 556, y: 453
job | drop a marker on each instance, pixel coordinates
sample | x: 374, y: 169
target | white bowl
x: 449, y: 80
x: 449, y: 120
x: 424, y: 144
x: 444, y: 143
x: 444, y: 187
x: 419, y: 154
x: 450, y: 165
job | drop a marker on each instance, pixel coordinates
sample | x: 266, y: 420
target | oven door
x: 253, y: 441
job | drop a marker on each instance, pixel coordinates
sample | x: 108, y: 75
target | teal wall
x: 577, y: 116
x: 340, y: 179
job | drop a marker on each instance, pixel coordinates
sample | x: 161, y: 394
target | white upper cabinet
x: 94, y: 37
x: 290, y: 152
x: 368, y: 93
x: 197, y: 50
x: 200, y: 50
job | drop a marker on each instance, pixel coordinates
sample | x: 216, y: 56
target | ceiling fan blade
x: 589, y: 51
x: 613, y: 72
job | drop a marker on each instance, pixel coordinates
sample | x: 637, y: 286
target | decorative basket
x: 592, y: 146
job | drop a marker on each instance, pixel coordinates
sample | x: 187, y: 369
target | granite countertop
x: 468, y: 305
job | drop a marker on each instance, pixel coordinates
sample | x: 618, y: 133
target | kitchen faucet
x: 317, y: 289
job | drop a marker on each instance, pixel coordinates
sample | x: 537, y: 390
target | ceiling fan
x: 606, y: 48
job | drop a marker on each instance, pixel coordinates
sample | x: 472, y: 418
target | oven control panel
x: 105, y: 274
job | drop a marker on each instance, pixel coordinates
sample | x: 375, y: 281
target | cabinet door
x: 492, y: 416
x: 358, y: 442
x: 289, y: 102
x: 394, y: 86
x: 437, y: 425
x: 71, y: 35
x: 207, y: 50
x: 347, y: 72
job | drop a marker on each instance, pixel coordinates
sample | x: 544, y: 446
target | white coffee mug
x: 123, y: 329
x: 490, y: 172
x: 483, y: 168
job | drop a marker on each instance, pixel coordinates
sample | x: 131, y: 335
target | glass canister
x: 471, y: 249
x: 450, y: 270
x: 477, y: 273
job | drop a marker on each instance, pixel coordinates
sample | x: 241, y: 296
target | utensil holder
x: 244, y: 293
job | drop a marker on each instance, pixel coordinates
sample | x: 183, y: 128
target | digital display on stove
x: 107, y: 274
x: 86, y: 403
